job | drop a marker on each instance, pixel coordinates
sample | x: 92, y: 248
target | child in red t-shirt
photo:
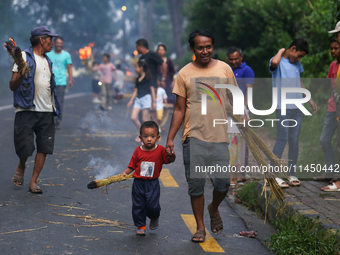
x: 147, y: 161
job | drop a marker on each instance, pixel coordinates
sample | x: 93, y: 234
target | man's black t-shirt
x: 153, y: 60
x: 143, y: 87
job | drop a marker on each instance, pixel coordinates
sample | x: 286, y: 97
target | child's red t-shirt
x: 148, y: 164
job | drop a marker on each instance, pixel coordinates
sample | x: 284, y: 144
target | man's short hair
x: 142, y: 42
x: 59, y: 37
x: 201, y: 32
x: 333, y: 40
x: 34, y: 39
x: 119, y: 67
x: 300, y: 44
x: 107, y: 55
x: 233, y: 49
x: 149, y: 124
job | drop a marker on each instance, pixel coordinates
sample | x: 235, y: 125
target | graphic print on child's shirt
x: 147, y: 169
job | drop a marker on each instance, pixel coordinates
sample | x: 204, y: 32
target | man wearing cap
x: 62, y: 62
x: 36, y: 103
x: 335, y: 186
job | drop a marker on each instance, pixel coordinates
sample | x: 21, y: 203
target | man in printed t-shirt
x: 203, y: 144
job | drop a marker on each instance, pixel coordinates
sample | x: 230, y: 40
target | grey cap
x: 42, y: 30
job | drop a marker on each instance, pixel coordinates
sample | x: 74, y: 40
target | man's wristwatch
x: 163, y: 79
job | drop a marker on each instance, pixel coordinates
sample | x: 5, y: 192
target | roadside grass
x: 302, y: 235
x: 248, y: 197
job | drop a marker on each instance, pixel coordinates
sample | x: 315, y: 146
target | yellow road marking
x: 210, y: 244
x: 167, y: 179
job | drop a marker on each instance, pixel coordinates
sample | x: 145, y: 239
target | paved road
x: 91, y: 143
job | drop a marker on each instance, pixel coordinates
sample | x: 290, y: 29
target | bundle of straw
x: 103, y: 182
x: 256, y: 145
x: 15, y: 52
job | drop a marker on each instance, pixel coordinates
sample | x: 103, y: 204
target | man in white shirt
x: 36, y: 103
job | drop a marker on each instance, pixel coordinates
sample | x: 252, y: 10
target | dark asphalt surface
x: 90, y: 142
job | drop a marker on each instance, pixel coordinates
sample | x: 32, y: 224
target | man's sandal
x: 331, y: 188
x: 216, y: 223
x: 281, y: 183
x: 35, y: 189
x: 18, y: 179
x: 292, y: 179
x: 199, y: 236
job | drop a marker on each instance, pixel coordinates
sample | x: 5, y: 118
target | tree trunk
x: 177, y: 25
x: 145, y: 19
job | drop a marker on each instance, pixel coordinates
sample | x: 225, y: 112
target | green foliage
x: 336, y: 11
x: 302, y: 235
x: 247, y: 194
x: 263, y: 27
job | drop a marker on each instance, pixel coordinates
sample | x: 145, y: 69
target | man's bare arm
x: 176, y: 122
x: 15, y: 81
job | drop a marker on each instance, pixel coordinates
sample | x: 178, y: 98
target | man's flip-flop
x: 216, y: 222
x: 292, y: 179
x: 18, y: 179
x: 200, y: 235
x: 35, y: 189
x: 154, y: 226
x: 331, y: 188
x: 281, y: 183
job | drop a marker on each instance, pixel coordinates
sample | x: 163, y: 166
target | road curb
x: 291, y: 207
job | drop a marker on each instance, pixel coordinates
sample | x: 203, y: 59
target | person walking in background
x: 119, y: 83
x: 335, y: 186
x: 62, y: 62
x: 143, y: 95
x: 329, y: 125
x: 36, y: 102
x: 161, y: 50
x: 153, y: 60
x: 285, y: 67
x: 245, y: 79
x: 95, y: 83
x: 107, y: 69
x: 161, y: 100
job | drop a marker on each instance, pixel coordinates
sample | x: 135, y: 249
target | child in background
x: 285, y: 67
x: 119, y: 83
x: 95, y: 85
x: 161, y: 98
x: 147, y: 161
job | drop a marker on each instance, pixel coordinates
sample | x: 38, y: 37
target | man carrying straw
x: 36, y: 102
x: 204, y: 146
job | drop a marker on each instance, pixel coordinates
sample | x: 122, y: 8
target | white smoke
x: 103, y: 168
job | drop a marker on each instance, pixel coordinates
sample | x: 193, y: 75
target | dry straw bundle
x: 256, y: 145
x: 15, y: 53
x: 103, y: 182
